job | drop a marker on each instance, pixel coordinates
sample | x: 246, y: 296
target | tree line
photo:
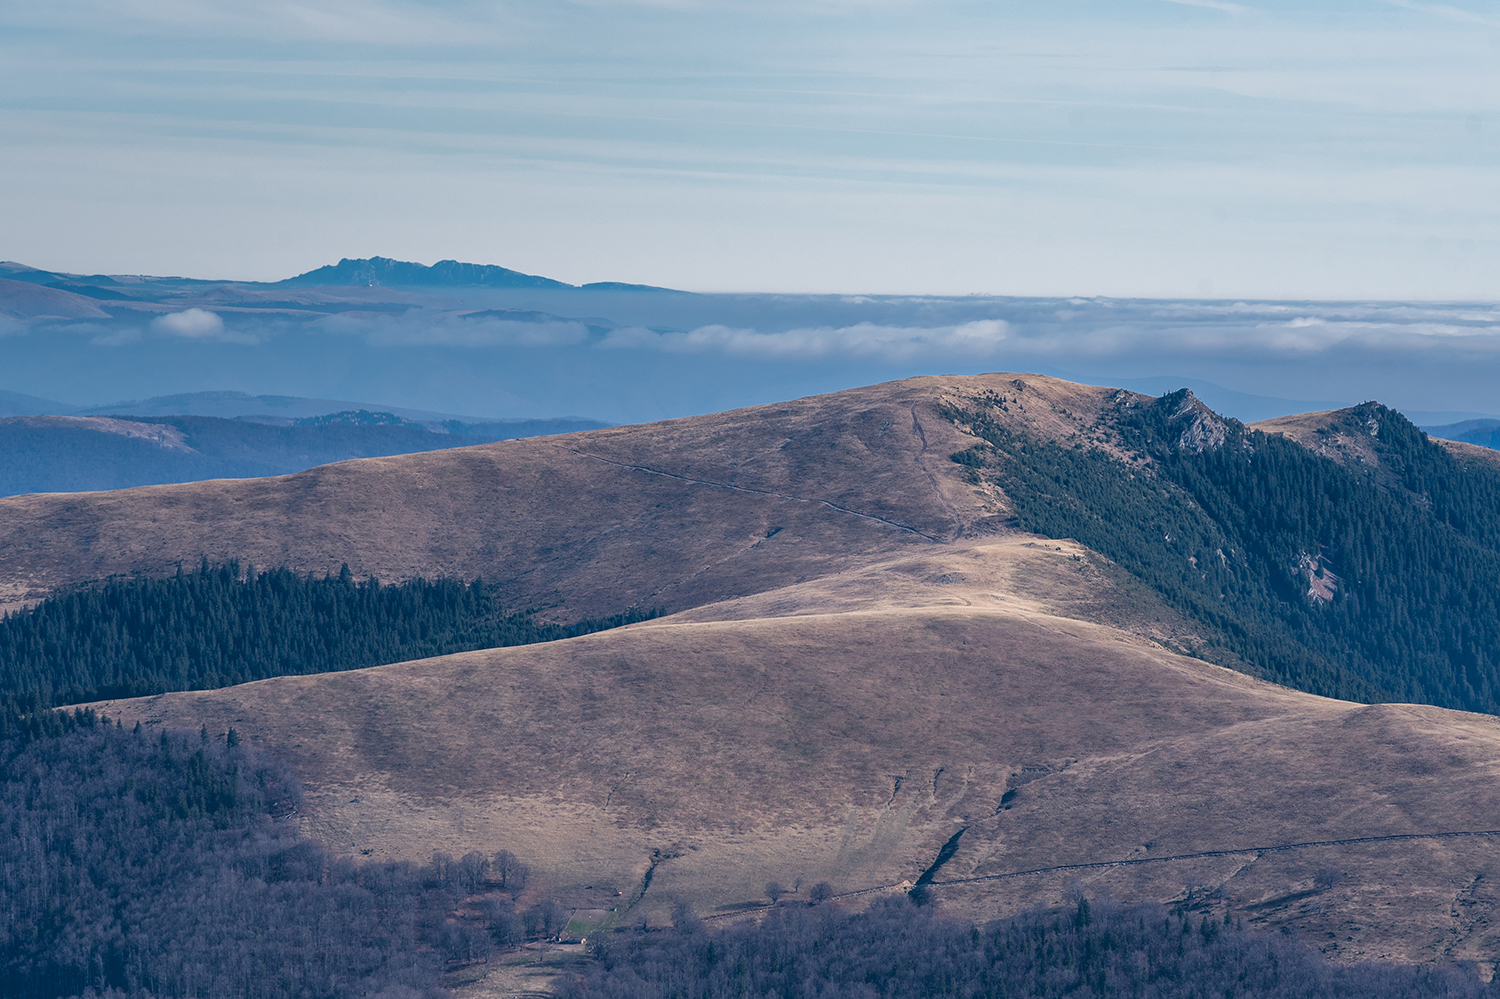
x: 1100, y: 950
x: 219, y: 626
x: 1406, y: 551
x: 169, y: 866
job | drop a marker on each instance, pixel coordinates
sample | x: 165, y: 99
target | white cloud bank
x: 1252, y: 337
x: 191, y: 324
x: 981, y: 338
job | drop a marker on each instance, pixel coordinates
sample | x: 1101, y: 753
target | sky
x: 1142, y: 148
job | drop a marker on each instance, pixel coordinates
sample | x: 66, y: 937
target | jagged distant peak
x: 384, y: 271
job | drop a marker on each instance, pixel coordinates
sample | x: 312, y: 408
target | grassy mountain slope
x: 868, y: 658
x: 846, y: 728
x: 671, y: 514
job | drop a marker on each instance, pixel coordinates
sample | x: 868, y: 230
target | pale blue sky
x: 1144, y: 148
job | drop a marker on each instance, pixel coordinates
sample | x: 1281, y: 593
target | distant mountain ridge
x: 66, y: 454
x: 242, y: 405
x: 375, y: 271
x: 349, y: 272
x: 231, y: 405
x: 1485, y: 433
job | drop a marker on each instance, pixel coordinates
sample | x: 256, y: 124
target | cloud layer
x: 672, y: 355
x: 981, y: 338
x: 1103, y: 329
x: 190, y: 324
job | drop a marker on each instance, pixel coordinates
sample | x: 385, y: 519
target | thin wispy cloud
x: 838, y: 145
x: 1232, y: 8
x: 1439, y: 10
x: 111, y: 337
x: 383, y: 22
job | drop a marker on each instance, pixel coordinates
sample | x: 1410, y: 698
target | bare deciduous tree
x: 508, y: 870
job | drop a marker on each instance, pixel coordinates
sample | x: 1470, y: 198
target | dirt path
x: 1205, y: 854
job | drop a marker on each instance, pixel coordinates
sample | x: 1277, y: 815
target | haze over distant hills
x: 890, y: 655
x: 48, y: 446
x: 44, y: 454
x: 225, y: 405
x: 500, y: 343
x: 1484, y: 432
x: 443, y: 274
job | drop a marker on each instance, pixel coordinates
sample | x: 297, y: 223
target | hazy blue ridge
x: 444, y: 273
x: 1485, y: 433
x: 42, y: 454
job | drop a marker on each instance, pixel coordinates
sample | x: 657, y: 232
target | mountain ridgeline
x: 1374, y: 580
x: 221, y: 626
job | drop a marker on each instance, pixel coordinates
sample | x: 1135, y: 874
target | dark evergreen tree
x: 219, y: 626
x: 1372, y: 582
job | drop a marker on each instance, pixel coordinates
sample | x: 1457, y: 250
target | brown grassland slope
x: 844, y: 729
x: 862, y: 663
x: 669, y: 514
